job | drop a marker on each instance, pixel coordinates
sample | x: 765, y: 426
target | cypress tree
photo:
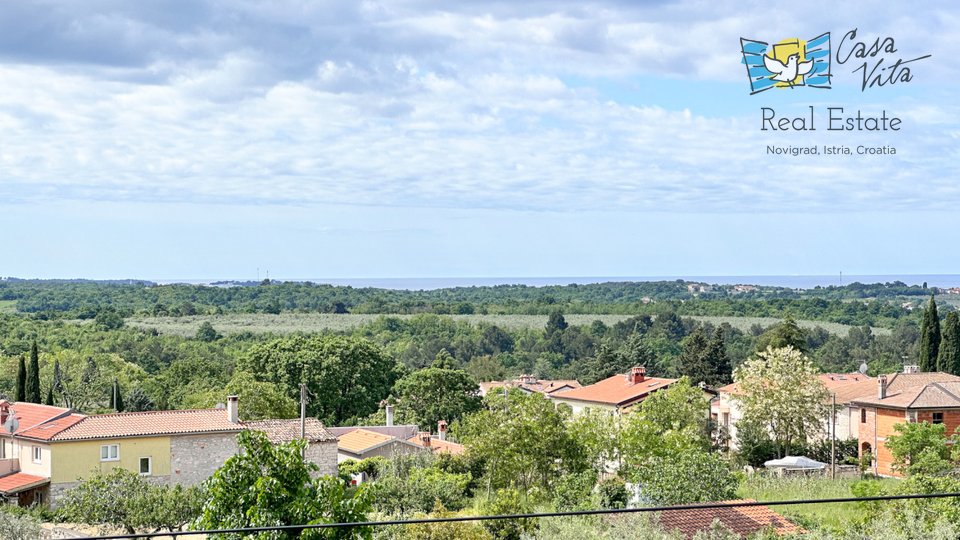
x: 21, y: 393
x: 948, y: 359
x: 119, y: 403
x: 929, y: 337
x: 718, y: 359
x: 33, y: 376
x: 693, y: 358
x: 49, y: 400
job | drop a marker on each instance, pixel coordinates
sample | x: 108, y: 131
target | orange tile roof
x: 913, y: 390
x: 17, y: 482
x: 615, y: 390
x: 281, y: 431
x: 31, y: 415
x: 359, y: 441
x: 742, y: 520
x: 440, y: 447
x: 149, y: 424
x: 47, y: 430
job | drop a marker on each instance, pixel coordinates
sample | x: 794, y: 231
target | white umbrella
x: 795, y: 462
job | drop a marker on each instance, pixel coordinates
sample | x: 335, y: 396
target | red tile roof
x: 17, y: 482
x: 615, y: 390
x: 31, y: 415
x: 149, y: 424
x: 47, y: 430
x: 440, y: 447
x: 360, y: 441
x: 281, y: 431
x: 742, y: 520
x: 845, y: 385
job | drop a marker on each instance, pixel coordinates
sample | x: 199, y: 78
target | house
x: 438, y: 444
x: 362, y: 443
x: 904, y: 397
x: 726, y: 410
x: 743, y: 521
x: 321, y: 443
x: 170, y: 447
x: 530, y: 384
x: 616, y: 394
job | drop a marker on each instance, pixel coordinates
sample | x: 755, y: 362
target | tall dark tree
x: 33, y: 376
x: 929, y: 337
x: 556, y: 323
x: 693, y: 358
x: 21, y: 393
x: 786, y: 334
x: 948, y: 358
x: 49, y: 400
x: 718, y: 359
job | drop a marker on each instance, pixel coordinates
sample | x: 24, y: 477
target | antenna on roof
x: 863, y: 368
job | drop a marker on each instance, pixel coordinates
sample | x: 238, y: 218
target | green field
x: 8, y: 306
x: 286, y: 323
x: 833, y: 515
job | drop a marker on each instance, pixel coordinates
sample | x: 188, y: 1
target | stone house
x: 53, y: 448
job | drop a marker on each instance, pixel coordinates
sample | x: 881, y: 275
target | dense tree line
x: 109, y: 302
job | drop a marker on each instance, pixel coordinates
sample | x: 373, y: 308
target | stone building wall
x: 324, y: 455
x: 194, y: 458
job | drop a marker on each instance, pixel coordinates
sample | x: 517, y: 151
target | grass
x: 833, y: 515
x: 8, y: 306
x: 286, y: 323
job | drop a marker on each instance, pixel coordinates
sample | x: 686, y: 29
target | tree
x: 268, y: 485
x: 948, y: 358
x: 108, y: 319
x: 779, y: 389
x: 556, y: 323
x: 688, y: 477
x: 207, y: 333
x: 258, y: 400
x: 18, y: 526
x: 929, y: 337
x: 919, y: 447
x: 116, y: 397
x: 523, y: 439
x: 21, y: 391
x: 49, y: 400
x: 721, y: 372
x: 693, y: 361
x: 786, y: 334
x: 33, y: 376
x: 433, y: 394
x: 122, y: 498
x: 139, y: 401
x: 347, y: 377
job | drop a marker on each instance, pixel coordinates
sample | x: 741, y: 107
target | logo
x: 789, y: 63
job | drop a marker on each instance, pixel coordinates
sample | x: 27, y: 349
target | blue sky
x: 426, y: 138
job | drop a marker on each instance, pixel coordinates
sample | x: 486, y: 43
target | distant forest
x: 877, y: 304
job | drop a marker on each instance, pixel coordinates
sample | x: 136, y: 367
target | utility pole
x: 833, y: 438
x: 303, y: 415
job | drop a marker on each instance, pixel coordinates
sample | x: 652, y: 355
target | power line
x: 383, y: 523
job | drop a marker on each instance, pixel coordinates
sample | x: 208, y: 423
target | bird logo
x: 791, y: 71
x: 787, y: 63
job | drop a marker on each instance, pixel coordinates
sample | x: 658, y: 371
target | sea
x: 431, y: 283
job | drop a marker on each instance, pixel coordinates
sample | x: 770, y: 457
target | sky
x: 315, y: 139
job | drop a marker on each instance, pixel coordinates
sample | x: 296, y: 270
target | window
x: 938, y: 418
x: 110, y: 452
x: 146, y: 466
x: 863, y: 416
x: 37, y: 454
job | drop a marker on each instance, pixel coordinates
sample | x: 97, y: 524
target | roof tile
x: 615, y: 390
x: 742, y: 520
x: 17, y: 482
x: 148, y: 424
x: 281, y: 431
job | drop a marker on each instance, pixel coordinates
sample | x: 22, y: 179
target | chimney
x: 882, y: 386
x: 233, y: 409
x: 389, y: 415
x: 442, y: 430
x: 637, y: 375
x: 4, y: 412
x: 425, y: 438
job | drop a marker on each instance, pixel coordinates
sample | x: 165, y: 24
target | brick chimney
x: 637, y: 375
x: 425, y: 438
x: 442, y: 430
x: 882, y: 386
x: 233, y: 409
x: 389, y: 409
x: 4, y: 411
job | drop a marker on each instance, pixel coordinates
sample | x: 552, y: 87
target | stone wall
x: 194, y: 458
x: 324, y: 455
